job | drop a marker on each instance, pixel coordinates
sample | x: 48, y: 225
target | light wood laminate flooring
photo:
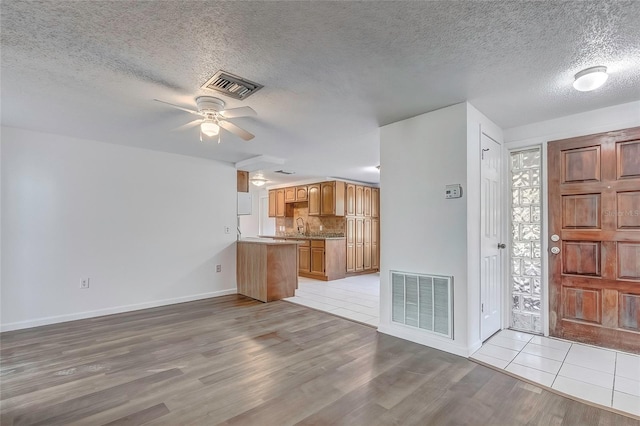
x: 232, y: 360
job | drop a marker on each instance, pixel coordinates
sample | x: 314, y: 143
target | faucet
x: 300, y: 223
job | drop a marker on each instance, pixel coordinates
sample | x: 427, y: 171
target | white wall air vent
x: 423, y: 301
x: 232, y: 85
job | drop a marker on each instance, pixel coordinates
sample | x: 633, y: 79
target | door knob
x: 555, y: 250
x: 502, y: 245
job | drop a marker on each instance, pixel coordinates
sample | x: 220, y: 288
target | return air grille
x: 232, y: 85
x: 423, y: 301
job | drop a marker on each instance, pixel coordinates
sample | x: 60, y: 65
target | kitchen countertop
x: 301, y: 237
x: 279, y: 241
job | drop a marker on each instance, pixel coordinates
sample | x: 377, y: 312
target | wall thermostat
x: 453, y: 191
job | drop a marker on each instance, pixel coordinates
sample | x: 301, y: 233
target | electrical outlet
x: 84, y: 283
x: 227, y: 229
x: 218, y: 268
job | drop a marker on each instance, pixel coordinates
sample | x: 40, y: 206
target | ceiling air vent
x: 284, y: 172
x: 232, y: 85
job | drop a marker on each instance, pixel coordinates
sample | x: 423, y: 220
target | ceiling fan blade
x: 238, y: 112
x: 179, y: 107
x: 188, y: 125
x: 236, y: 130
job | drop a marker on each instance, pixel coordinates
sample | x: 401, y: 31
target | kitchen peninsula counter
x: 267, y: 269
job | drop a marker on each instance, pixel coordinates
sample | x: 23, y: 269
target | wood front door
x: 594, y: 218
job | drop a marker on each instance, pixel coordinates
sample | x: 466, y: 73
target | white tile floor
x: 601, y: 376
x: 356, y: 298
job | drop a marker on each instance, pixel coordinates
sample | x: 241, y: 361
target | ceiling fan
x: 214, y: 116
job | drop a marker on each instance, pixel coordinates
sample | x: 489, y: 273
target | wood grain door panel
x: 594, y: 208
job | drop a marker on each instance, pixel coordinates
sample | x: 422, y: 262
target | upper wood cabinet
x: 243, y: 181
x: 350, y: 199
x: 332, y: 198
x: 375, y: 202
x: 366, y: 199
x: 301, y: 193
x: 280, y: 205
x: 289, y: 195
x: 313, y: 194
x: 359, y: 200
x: 272, y: 203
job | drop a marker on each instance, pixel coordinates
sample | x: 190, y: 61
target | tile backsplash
x: 330, y: 224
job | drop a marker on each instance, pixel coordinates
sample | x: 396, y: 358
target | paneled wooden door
x: 594, y: 239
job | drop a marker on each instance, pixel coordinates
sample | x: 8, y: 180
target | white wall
x: 421, y: 231
x: 147, y: 228
x: 250, y: 224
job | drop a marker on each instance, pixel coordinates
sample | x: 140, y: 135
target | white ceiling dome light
x: 209, y: 128
x: 590, y: 78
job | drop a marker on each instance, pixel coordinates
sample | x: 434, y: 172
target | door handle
x: 555, y: 250
x: 502, y: 245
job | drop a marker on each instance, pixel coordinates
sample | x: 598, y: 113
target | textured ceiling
x: 333, y: 71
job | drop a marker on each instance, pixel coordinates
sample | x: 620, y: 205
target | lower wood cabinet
x: 317, y: 258
x: 362, y: 244
x: 304, y: 252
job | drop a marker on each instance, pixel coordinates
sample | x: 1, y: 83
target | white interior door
x: 490, y: 251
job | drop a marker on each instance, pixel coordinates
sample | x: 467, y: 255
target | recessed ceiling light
x: 590, y: 78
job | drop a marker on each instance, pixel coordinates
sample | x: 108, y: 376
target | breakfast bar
x: 267, y: 269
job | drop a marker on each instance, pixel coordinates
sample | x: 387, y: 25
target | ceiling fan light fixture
x: 590, y: 78
x: 209, y: 128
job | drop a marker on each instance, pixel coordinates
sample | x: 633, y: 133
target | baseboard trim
x: 110, y: 311
x: 426, y: 340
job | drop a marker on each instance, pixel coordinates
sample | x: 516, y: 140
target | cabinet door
x: 327, y: 202
x: 375, y: 202
x: 375, y: 238
x: 304, y: 260
x: 366, y: 256
x: 280, y: 204
x: 359, y: 201
x: 313, y: 193
x: 317, y: 260
x: 289, y: 195
x: 351, y: 199
x: 272, y: 203
x: 351, y: 247
x: 301, y: 193
x: 366, y: 199
x: 359, y: 244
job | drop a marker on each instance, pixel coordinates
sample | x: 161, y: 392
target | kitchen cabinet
x: 359, y: 201
x: 375, y: 246
x: 332, y: 198
x: 313, y: 193
x: 317, y: 257
x: 375, y: 202
x: 350, y: 203
x: 289, y: 195
x: 366, y: 200
x: 280, y: 204
x: 304, y: 259
x: 272, y: 203
x: 326, y: 199
x: 301, y: 193
x: 359, y: 244
x: 242, y: 181
x: 366, y: 246
x: 351, y: 243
